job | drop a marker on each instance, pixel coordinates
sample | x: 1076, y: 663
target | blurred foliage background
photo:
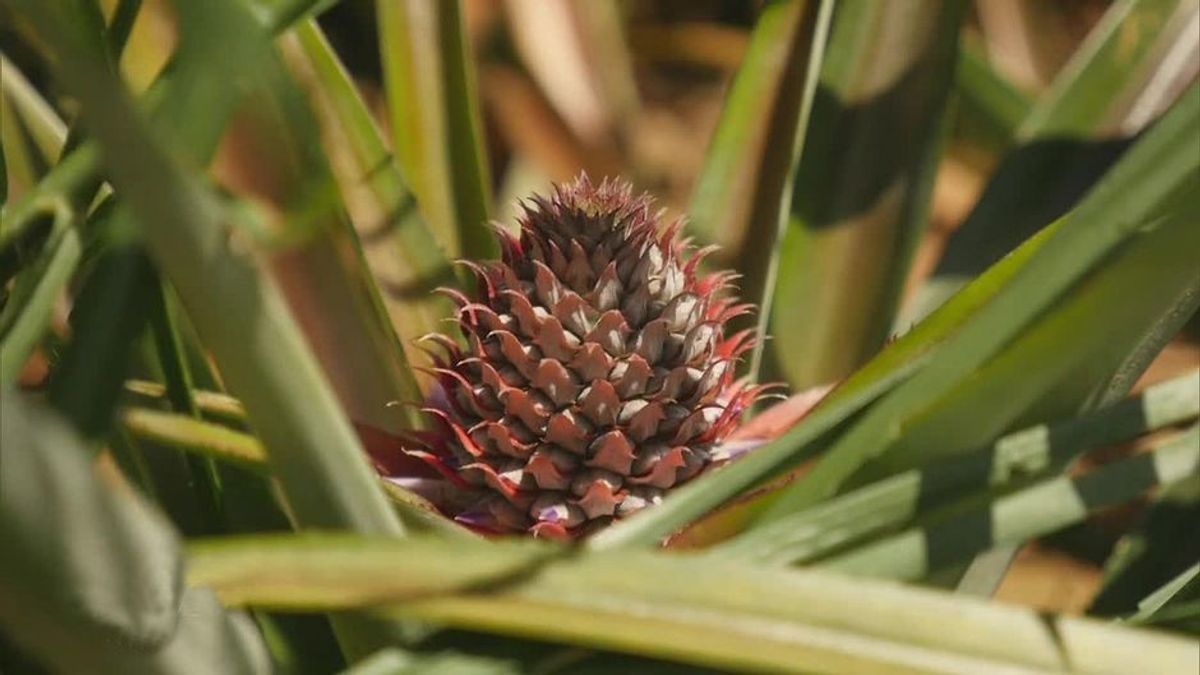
x: 980, y: 217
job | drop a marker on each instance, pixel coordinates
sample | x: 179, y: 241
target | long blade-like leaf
x: 861, y: 191
x: 897, y: 362
x: 1051, y: 370
x: 1148, y: 556
x: 28, y: 310
x: 1135, y: 62
x: 239, y: 314
x: 712, y: 613
x: 892, y: 502
x: 319, y: 267
x: 220, y: 443
x: 435, y: 120
x: 788, y: 48
x: 402, y: 253
x: 728, y: 184
x: 1030, y: 512
x: 1156, y: 171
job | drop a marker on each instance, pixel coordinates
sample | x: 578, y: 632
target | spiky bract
x: 596, y: 373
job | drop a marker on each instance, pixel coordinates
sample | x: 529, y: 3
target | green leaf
x: 1027, y: 513
x: 49, y: 197
x: 212, y: 404
x: 29, y: 307
x: 110, y: 311
x: 320, y: 267
x: 279, y: 15
x: 894, y: 364
x: 3, y: 172
x: 1184, y: 588
x: 214, y: 440
x: 18, y: 172
x: 403, y: 255
x: 687, y: 608
x: 393, y: 661
x: 172, y: 360
x: 46, y: 130
x: 1153, y: 552
x: 988, y: 108
x: 220, y: 443
x: 1153, y: 173
x: 1052, y: 370
x: 884, y: 505
x: 435, y: 123
x: 1121, y: 76
x: 782, y: 65
x: 862, y: 187
x: 104, y: 594
x: 240, y: 315
x: 294, y: 571
x: 79, y: 167
x: 770, y: 79
x: 1119, y: 80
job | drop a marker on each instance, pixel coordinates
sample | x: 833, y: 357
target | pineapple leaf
x: 220, y: 443
x: 743, y: 189
x: 1151, y: 177
x: 989, y: 107
x: 402, y: 253
x: 240, y: 316
x: 1119, y: 80
x: 28, y: 310
x: 719, y: 614
x: 112, y: 601
x: 1030, y: 512
x: 861, y: 190
x: 438, y: 141
x: 868, y: 511
x: 726, y: 189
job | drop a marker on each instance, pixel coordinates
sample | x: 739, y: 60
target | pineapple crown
x: 596, y: 372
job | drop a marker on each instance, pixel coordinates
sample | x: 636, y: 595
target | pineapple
x: 596, y: 373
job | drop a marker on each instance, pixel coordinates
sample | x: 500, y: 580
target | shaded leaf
x: 1029, y: 512
x: 860, y: 195
x: 1150, y: 178
x: 882, y: 506
x: 1119, y: 80
x: 106, y: 594
x: 109, y: 312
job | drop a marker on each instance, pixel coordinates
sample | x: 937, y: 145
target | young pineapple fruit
x: 597, y: 374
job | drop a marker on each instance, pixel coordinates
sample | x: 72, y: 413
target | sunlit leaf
x: 688, y: 608
x: 1134, y: 64
x: 435, y: 120
x: 1150, y: 178
x: 862, y: 188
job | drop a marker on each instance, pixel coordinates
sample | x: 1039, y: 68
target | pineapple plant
x: 963, y: 239
x: 597, y: 374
